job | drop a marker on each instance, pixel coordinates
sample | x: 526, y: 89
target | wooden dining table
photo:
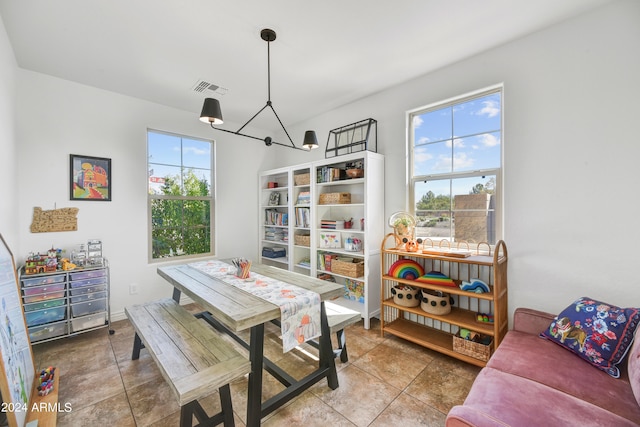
x: 233, y: 310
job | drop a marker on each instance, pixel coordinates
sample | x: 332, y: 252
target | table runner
x: 299, y: 308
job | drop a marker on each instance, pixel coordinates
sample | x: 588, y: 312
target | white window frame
x: 412, y: 179
x: 211, y: 198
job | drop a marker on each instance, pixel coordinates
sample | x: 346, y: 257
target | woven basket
x: 435, y: 302
x: 406, y: 296
x: 334, y: 198
x: 302, y: 179
x: 302, y: 240
x: 470, y: 348
x: 349, y: 269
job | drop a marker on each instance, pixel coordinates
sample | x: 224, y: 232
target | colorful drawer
x: 88, y: 282
x: 88, y: 289
x: 40, y: 293
x: 45, y: 304
x: 39, y: 317
x: 82, y: 275
x: 43, y: 280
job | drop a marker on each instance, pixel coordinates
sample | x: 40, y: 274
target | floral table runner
x: 299, y: 308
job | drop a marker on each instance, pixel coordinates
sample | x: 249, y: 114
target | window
x: 456, y: 162
x: 181, y: 202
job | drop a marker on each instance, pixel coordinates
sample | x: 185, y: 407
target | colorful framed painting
x: 90, y: 178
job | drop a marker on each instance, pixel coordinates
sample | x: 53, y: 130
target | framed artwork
x: 274, y: 199
x: 90, y: 178
x: 17, y: 370
x: 330, y: 239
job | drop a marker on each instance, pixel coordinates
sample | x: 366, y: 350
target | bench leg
x: 342, y: 345
x: 137, y: 346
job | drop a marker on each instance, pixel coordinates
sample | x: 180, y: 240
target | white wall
x: 76, y: 119
x: 571, y: 152
x: 570, y: 100
x: 9, y: 157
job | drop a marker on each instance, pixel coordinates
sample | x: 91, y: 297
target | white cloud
x: 489, y: 109
x: 489, y: 140
x: 417, y: 121
x: 423, y: 140
x: 196, y: 151
x: 457, y: 143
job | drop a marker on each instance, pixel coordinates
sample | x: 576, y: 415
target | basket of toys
x: 302, y: 179
x: 302, y: 239
x: 348, y: 267
x: 405, y: 295
x: 436, y: 302
x: 335, y: 198
x: 472, y: 344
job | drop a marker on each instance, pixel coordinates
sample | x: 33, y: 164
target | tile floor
x: 387, y: 381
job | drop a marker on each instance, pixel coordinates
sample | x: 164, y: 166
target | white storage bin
x: 86, y: 322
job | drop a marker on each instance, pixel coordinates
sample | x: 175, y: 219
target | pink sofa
x: 530, y: 381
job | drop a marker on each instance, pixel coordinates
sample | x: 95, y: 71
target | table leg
x: 176, y: 295
x: 254, y: 392
x: 327, y: 359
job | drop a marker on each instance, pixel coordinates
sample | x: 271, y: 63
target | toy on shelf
x: 403, y: 224
x: 475, y: 285
x: 46, y: 381
x: 38, y: 264
x: 484, y: 318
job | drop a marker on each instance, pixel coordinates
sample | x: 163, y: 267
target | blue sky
x: 168, y: 153
x: 465, y: 137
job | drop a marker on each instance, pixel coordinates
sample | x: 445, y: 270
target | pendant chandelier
x: 212, y: 113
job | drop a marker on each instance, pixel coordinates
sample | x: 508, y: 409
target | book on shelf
x: 330, y: 174
x: 304, y: 198
x: 273, y: 217
x: 332, y: 224
x: 302, y: 217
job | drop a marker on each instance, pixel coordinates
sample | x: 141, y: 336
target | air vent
x: 206, y: 88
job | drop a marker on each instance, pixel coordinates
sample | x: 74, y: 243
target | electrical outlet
x: 133, y: 289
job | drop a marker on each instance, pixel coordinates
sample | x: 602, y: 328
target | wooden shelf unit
x: 436, y: 331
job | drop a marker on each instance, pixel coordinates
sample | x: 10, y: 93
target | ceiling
x: 327, y: 53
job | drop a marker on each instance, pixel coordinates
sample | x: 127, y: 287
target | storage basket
x: 302, y: 240
x: 353, y: 268
x: 302, y: 179
x: 474, y: 349
x: 435, y: 302
x: 334, y: 198
x: 405, y: 295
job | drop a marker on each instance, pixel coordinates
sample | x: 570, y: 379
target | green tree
x: 431, y: 202
x: 181, y: 221
x: 487, y: 188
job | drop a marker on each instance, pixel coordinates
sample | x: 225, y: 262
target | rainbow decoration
x: 406, y: 269
x: 436, y: 278
x: 476, y: 285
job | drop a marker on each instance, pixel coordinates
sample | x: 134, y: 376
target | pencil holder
x: 244, y: 271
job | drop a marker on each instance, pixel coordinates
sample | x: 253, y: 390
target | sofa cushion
x: 499, y: 398
x: 633, y: 368
x: 544, y: 362
x: 598, y: 332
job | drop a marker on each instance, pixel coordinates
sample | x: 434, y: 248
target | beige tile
x: 392, y: 365
x: 307, y: 411
x: 82, y: 389
x: 360, y: 397
x: 407, y: 411
x: 112, y: 411
x: 152, y: 401
x: 443, y: 384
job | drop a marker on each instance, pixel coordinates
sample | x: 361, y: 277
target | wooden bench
x: 194, y: 358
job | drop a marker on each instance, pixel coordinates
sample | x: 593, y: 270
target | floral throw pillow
x: 598, y: 332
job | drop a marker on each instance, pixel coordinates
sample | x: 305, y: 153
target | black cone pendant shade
x: 211, y: 112
x: 310, y: 140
